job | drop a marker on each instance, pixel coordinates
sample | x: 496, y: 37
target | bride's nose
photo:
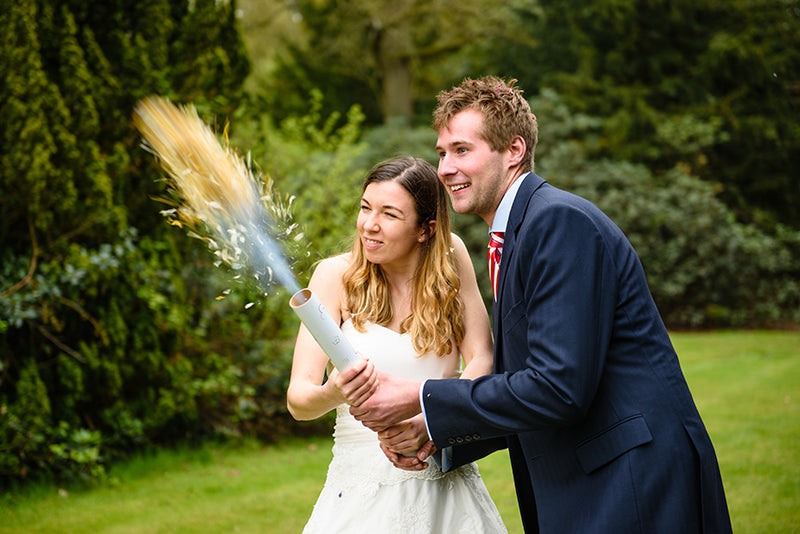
x: 371, y: 222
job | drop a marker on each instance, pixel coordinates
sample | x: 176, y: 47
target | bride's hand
x: 406, y: 437
x: 407, y: 463
x: 357, y: 383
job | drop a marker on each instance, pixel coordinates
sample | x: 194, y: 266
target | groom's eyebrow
x: 454, y: 144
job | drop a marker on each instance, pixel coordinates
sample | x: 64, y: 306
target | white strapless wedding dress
x: 365, y: 493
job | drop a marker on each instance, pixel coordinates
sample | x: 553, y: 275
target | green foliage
x: 385, y: 56
x: 77, y: 452
x: 710, y: 86
x: 97, y: 318
x: 704, y: 267
x: 117, y: 332
x: 315, y: 158
x: 398, y: 136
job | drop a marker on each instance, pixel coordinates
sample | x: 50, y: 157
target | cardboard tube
x: 321, y: 325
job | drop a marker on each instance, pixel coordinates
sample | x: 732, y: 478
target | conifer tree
x: 94, y: 306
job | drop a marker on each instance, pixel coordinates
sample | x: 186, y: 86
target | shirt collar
x: 500, y: 220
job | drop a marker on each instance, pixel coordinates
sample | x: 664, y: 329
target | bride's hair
x: 437, y: 313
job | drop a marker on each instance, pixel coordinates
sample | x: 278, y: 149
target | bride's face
x: 387, y: 225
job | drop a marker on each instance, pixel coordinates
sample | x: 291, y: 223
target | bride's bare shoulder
x: 331, y: 269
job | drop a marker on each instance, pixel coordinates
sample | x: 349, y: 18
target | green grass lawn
x: 746, y: 385
x: 747, y: 388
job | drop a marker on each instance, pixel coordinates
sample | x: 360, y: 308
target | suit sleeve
x: 557, y: 311
x: 453, y: 457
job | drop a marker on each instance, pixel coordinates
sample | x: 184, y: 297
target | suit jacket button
x: 459, y: 440
x: 451, y: 441
x: 476, y: 437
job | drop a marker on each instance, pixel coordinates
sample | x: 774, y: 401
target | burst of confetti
x: 216, y: 196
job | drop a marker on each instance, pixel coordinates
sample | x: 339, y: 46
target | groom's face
x: 470, y: 170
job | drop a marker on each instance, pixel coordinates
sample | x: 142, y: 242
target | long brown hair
x: 437, y: 314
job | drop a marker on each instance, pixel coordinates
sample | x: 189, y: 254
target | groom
x: 587, y: 392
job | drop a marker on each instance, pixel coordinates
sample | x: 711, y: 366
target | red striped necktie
x: 493, y: 255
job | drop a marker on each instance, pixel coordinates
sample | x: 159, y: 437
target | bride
x: 407, y: 298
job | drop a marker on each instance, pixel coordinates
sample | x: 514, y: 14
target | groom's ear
x: 516, y: 151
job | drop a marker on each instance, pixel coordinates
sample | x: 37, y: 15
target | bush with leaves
x: 705, y: 269
x: 316, y: 159
x: 98, y: 305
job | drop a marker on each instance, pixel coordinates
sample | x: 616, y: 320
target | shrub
x: 705, y: 268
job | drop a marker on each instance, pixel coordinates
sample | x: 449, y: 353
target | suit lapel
x: 519, y: 208
x: 531, y: 183
x: 498, y: 364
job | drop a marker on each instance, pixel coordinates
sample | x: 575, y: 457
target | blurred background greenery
x: 680, y: 119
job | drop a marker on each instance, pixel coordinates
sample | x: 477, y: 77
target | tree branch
x: 34, y: 260
x: 57, y: 342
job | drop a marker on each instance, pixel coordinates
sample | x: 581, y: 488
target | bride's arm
x: 476, y: 347
x: 307, y: 396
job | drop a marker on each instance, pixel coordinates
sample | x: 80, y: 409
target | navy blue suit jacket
x: 587, y: 393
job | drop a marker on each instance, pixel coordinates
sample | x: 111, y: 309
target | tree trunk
x: 395, y: 64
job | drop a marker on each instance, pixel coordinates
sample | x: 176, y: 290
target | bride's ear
x: 430, y: 230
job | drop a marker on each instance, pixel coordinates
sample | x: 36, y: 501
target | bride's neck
x: 400, y: 293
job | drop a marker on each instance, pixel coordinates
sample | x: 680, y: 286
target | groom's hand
x: 395, y: 399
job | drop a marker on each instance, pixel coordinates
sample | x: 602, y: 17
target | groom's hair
x: 506, y: 114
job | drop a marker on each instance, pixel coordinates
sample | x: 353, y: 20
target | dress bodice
x: 364, y: 492
x: 393, y: 353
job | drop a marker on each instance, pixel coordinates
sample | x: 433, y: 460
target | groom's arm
x: 554, y: 332
x: 446, y: 458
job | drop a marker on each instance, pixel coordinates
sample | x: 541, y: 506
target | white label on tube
x: 321, y: 325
